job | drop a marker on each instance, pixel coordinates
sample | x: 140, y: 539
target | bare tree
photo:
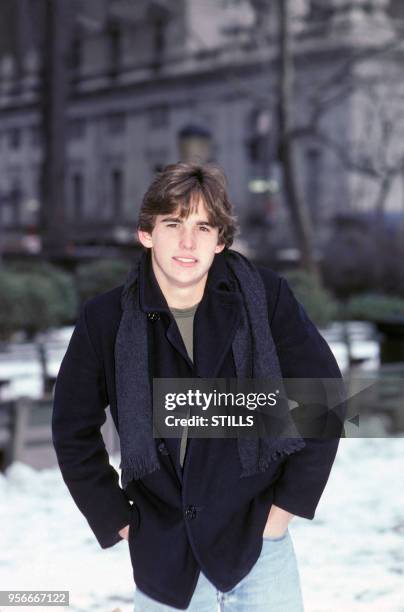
x: 362, y: 78
x: 55, y: 83
x: 263, y: 32
x: 374, y: 151
x: 297, y: 207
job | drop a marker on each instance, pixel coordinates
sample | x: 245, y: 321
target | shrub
x: 351, y: 260
x: 35, y: 296
x: 363, y: 256
x: 373, y: 307
x: 100, y: 276
x: 321, y: 307
x: 10, y: 295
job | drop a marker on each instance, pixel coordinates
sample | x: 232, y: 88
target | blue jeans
x: 272, y: 585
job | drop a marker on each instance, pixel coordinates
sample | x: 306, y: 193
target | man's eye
x: 171, y: 224
x: 204, y: 228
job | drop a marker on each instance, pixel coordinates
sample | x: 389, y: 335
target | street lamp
x: 194, y: 143
x: 6, y: 198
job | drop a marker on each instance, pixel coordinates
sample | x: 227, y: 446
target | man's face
x: 182, y: 249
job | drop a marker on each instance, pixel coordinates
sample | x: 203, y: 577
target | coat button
x: 162, y: 448
x: 153, y: 316
x: 190, y: 512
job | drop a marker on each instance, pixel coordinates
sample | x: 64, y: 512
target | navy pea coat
x: 204, y: 516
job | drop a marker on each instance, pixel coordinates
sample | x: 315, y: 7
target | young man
x: 209, y: 518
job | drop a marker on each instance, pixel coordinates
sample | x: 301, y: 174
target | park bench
x: 382, y: 395
x: 24, y: 425
x: 26, y: 433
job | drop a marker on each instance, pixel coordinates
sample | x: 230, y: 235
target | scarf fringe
x: 292, y: 446
x: 135, y: 468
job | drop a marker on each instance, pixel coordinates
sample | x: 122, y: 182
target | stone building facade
x: 140, y: 73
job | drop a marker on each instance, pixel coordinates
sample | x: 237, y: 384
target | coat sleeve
x: 78, y: 413
x: 303, y: 353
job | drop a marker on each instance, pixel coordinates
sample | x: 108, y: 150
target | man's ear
x: 219, y: 248
x: 145, y: 238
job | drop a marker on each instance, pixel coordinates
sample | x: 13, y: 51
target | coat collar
x: 152, y: 298
x: 216, y: 319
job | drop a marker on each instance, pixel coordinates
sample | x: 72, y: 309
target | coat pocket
x: 134, y: 522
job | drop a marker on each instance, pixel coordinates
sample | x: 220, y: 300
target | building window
x: 159, y: 17
x: 117, y: 192
x: 15, y: 198
x: 116, y: 123
x: 76, y: 129
x: 313, y: 186
x: 115, y: 48
x: 15, y: 138
x: 159, y: 37
x: 76, y: 53
x: 319, y: 10
x: 258, y: 139
x: 78, y: 193
x: 35, y: 136
x: 158, y: 116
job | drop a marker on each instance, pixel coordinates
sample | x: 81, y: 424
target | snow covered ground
x: 19, y: 364
x: 351, y: 556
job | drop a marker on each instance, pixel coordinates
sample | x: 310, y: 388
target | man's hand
x: 124, y: 532
x: 277, y: 523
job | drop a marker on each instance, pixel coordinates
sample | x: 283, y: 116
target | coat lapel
x: 216, y: 321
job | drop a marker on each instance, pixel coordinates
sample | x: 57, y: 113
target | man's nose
x: 187, y: 239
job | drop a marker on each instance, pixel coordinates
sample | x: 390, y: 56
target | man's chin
x: 187, y: 280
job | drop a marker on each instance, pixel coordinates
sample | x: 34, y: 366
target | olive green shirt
x: 184, y: 317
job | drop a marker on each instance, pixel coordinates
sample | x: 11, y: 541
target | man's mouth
x: 186, y: 261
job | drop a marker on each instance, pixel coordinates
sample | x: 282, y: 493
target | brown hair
x: 181, y: 185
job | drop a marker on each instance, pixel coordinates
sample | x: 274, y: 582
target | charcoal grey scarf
x: 254, y: 355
